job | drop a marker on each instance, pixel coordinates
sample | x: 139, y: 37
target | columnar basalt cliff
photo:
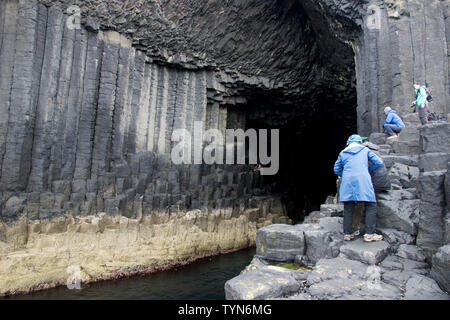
x: 88, y: 110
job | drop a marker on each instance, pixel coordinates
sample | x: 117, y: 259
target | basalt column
x: 87, y: 182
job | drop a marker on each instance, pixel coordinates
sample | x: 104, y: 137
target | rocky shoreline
x: 123, y: 274
x: 411, y: 263
x: 106, y: 248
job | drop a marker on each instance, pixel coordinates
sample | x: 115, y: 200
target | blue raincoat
x: 393, y: 118
x: 353, y: 166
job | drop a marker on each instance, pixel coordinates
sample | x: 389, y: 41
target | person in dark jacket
x: 380, y: 176
x: 393, y: 124
x: 356, y: 185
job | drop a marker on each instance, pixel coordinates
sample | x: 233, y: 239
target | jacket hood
x: 391, y: 111
x: 354, y: 150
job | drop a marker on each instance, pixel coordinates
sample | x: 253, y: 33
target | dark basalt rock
x: 423, y: 288
x: 368, y: 253
x: 441, y: 266
x: 262, y: 283
x: 280, y: 242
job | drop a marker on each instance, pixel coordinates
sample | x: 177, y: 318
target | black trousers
x: 370, y: 212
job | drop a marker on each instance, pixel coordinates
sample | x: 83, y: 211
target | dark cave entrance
x: 311, y: 137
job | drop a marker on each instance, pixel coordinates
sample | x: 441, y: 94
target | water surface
x: 201, y: 280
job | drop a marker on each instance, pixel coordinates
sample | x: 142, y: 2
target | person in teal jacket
x: 356, y: 185
x: 421, y: 102
x: 393, y: 124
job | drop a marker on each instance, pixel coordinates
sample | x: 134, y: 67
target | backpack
x: 433, y: 116
x: 429, y: 97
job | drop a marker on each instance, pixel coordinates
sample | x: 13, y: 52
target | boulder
x: 440, y: 270
x: 336, y: 268
x: 411, y: 252
x: 434, y: 137
x: 408, y: 142
x: 314, y: 216
x: 341, y: 278
x: 333, y: 210
x: 404, y: 175
x: 409, y: 160
x: 378, y: 138
x: 411, y: 119
x: 435, y: 161
x: 366, y: 252
x: 14, y: 206
x: 323, y: 239
x: 395, y: 237
x: 423, y: 288
x: 396, y: 270
x: 262, y: 283
x: 401, y: 215
x: 431, y: 228
x: 280, y: 242
x: 396, y: 195
x: 431, y: 187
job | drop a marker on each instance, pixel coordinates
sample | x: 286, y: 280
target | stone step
x: 401, y: 215
x: 412, y: 252
x: 334, y: 210
x: 419, y: 287
x: 366, y: 252
x: 434, y: 161
x: 406, y: 146
x: 398, y: 195
x: 395, y: 237
x: 409, y: 160
x: 342, y: 278
x: 378, y: 138
x: 404, y: 175
x: 264, y: 282
x: 411, y: 119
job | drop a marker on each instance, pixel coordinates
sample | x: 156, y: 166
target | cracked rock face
x: 87, y: 113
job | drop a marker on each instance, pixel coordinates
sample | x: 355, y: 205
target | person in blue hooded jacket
x: 393, y: 124
x: 356, y: 185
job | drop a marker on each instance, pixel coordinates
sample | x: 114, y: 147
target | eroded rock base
x: 43, y: 254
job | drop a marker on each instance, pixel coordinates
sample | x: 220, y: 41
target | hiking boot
x: 392, y: 137
x: 372, y: 237
x: 348, y: 237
